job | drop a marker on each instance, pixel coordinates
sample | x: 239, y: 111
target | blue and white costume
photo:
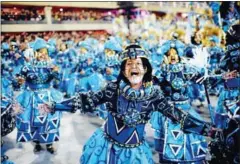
x: 196, y: 90
x: 172, y: 144
x: 110, y: 62
x: 32, y: 124
x: 216, y: 53
x: 84, y: 77
x: 122, y: 137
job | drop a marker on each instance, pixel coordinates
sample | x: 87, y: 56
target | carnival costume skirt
x: 174, y: 145
x: 98, y: 150
x: 32, y: 124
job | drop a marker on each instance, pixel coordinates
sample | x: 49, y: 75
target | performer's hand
x: 82, y: 72
x: 44, y: 109
x: 230, y: 75
x: 108, y: 71
x: 17, y: 109
x: 55, y: 69
x: 20, y: 80
x: 17, y: 55
x: 215, y: 133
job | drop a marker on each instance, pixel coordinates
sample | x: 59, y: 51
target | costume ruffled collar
x: 144, y: 93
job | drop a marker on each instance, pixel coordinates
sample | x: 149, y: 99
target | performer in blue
x: 110, y: 63
x: 130, y: 102
x: 158, y: 60
x: 66, y: 60
x: 109, y: 66
x: 230, y: 14
x: 173, y: 145
x: 215, y: 6
x: 84, y: 77
x: 7, y: 117
x: 216, y: 53
x: 35, y: 124
x: 17, y: 57
x: 196, y: 90
x: 230, y: 66
x: 52, y: 47
x: 227, y: 115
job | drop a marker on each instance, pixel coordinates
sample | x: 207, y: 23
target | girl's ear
x: 145, y: 70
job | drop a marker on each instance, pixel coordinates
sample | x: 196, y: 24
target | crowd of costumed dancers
x: 129, y: 79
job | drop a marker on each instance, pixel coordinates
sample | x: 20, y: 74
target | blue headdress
x: 85, y: 45
x: 112, y: 45
x: 176, y: 44
x: 133, y: 51
x: 39, y: 44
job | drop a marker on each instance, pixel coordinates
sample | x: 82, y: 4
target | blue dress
x: 32, y: 124
x: 122, y: 140
x: 172, y: 144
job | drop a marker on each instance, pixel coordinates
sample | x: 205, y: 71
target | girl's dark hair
x: 146, y: 65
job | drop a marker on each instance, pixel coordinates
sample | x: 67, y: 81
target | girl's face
x: 42, y: 55
x: 63, y: 47
x: 134, y: 70
x: 172, y: 56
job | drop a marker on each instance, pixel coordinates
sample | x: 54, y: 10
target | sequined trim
x: 77, y: 102
x: 109, y: 138
x: 141, y: 94
x: 122, y: 118
x: 181, y: 102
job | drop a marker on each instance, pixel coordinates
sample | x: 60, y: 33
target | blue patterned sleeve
x: 189, y: 123
x: 55, y: 75
x: 85, y: 102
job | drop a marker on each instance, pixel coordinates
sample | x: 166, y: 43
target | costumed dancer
x: 52, y: 47
x: 227, y: 115
x: 130, y: 102
x: 158, y: 61
x: 110, y: 62
x: 7, y: 116
x: 173, y: 145
x: 230, y: 14
x: 83, y: 77
x: 215, y: 54
x: 34, y: 124
x: 17, y: 57
x: 66, y: 60
x: 196, y: 90
x: 109, y: 67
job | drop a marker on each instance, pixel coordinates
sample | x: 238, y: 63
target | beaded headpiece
x: 133, y: 51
